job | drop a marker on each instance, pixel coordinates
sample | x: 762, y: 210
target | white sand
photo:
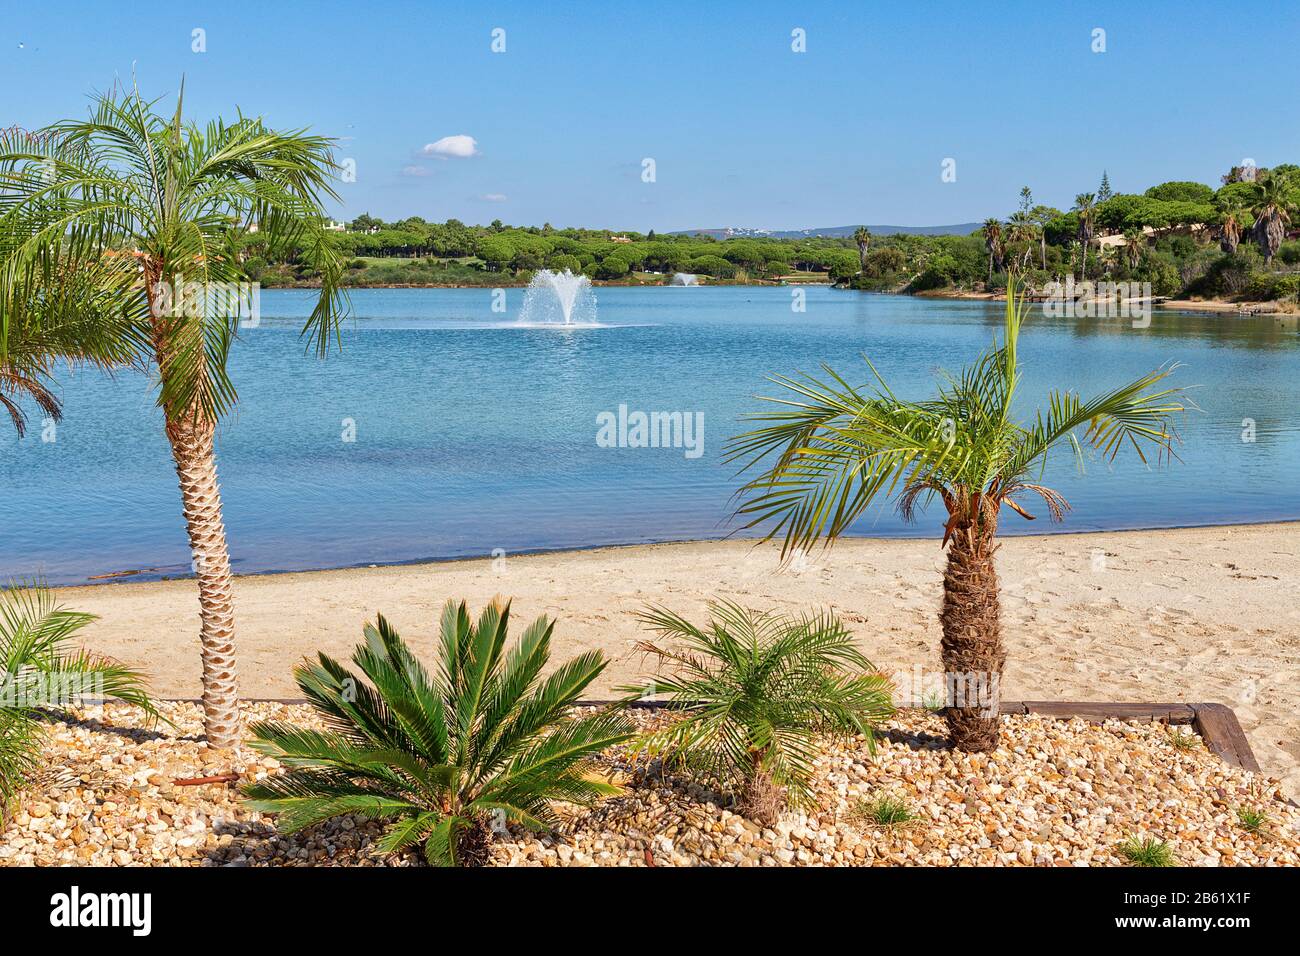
x: 1186, y: 615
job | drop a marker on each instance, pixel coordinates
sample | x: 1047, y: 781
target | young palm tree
x: 838, y: 448
x: 40, y: 668
x: 756, y: 689
x: 862, y: 236
x: 1084, y: 204
x: 1272, y: 211
x: 993, y: 243
x: 439, y: 754
x: 151, y: 209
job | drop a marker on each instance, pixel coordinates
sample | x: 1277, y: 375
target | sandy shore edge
x: 1199, y: 614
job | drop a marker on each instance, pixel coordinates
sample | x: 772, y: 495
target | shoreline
x: 1181, y: 614
x: 145, y: 575
x: 1204, y: 306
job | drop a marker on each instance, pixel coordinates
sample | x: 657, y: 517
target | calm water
x: 471, y: 435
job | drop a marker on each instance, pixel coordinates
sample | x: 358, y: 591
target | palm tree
x: 39, y: 667
x: 1134, y: 244
x: 837, y: 448
x: 439, y: 754
x: 1041, y: 216
x: 1230, y: 230
x: 152, y: 208
x: 993, y: 243
x: 1084, y: 206
x: 1272, y: 211
x: 862, y: 236
x: 1021, y: 228
x: 755, y: 690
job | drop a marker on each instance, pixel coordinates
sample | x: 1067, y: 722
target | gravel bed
x: 1057, y: 793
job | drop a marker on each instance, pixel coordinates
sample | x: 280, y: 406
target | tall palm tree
x: 1021, y: 228
x: 993, y: 243
x: 829, y: 449
x: 1230, y: 230
x: 1134, y: 244
x: 1272, y: 211
x: 1084, y: 205
x: 151, y: 209
x: 1041, y: 216
x: 862, y: 236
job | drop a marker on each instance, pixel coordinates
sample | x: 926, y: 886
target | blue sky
x: 743, y: 130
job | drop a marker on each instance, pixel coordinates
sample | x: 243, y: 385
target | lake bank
x: 1183, y: 615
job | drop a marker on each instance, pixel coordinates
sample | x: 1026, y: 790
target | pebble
x: 1057, y: 793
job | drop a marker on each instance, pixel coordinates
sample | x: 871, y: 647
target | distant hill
x: 831, y: 232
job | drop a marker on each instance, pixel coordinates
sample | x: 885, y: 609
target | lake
x: 444, y: 430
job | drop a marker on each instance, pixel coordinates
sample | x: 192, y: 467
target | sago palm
x: 40, y: 667
x: 831, y: 449
x: 441, y: 754
x: 148, y: 211
x: 756, y: 689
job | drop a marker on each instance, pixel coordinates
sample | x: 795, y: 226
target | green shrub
x: 436, y: 755
x: 884, y: 811
x: 756, y: 689
x: 1147, y: 851
x: 39, y: 668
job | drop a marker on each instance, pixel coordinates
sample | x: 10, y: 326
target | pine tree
x: 1103, y: 191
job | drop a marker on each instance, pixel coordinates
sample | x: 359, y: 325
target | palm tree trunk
x: 190, y: 433
x: 971, y: 648
x: 196, y: 467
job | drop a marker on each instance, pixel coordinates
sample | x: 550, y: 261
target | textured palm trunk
x: 971, y: 648
x: 760, y: 798
x: 196, y: 468
x: 190, y: 433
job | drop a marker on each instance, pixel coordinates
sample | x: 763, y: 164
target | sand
x: 1184, y: 615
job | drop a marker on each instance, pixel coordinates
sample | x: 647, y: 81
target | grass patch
x: 1183, y: 740
x: 884, y: 811
x: 1147, y: 851
x: 1253, y: 821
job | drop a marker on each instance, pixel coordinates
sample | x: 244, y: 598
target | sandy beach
x: 1180, y: 615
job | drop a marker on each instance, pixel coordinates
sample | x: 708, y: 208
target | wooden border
x: 1216, y: 723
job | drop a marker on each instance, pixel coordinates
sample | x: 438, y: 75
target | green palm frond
x: 95, y: 212
x: 827, y: 449
x: 434, y: 752
x: 756, y: 689
x: 40, y: 668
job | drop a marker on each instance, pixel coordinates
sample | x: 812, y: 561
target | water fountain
x: 558, y: 298
x: 684, y: 278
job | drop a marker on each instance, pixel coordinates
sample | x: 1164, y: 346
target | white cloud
x: 493, y: 197
x: 415, y: 171
x: 452, y: 147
